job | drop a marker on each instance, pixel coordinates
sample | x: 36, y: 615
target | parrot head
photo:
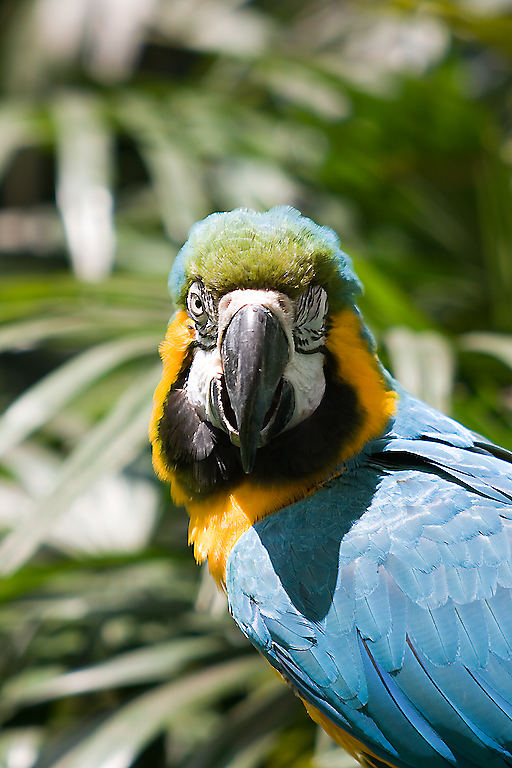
x: 252, y: 380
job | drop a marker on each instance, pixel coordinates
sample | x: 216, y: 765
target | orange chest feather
x: 218, y: 521
x: 217, y: 524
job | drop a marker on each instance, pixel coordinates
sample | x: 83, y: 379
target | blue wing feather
x: 416, y: 683
x: 385, y: 597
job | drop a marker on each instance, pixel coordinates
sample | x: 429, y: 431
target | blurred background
x: 121, y: 123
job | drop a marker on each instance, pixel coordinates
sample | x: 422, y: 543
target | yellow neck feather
x: 217, y: 522
x: 173, y: 351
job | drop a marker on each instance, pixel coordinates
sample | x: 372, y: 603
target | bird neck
x: 219, y: 518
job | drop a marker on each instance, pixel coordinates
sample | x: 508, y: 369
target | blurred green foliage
x: 122, y: 123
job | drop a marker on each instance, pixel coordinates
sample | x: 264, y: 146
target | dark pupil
x: 197, y: 304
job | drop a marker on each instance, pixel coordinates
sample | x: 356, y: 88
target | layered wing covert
x: 385, y: 599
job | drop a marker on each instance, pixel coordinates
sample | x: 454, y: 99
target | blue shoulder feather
x: 385, y: 598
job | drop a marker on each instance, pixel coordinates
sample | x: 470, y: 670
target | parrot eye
x: 196, y: 304
x: 202, y: 310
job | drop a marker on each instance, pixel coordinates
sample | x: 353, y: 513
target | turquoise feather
x: 406, y: 615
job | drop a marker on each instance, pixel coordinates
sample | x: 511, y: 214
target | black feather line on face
x: 205, y: 460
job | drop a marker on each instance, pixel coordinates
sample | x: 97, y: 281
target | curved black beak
x: 254, y: 352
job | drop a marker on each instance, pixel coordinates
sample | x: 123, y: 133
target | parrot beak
x: 254, y: 353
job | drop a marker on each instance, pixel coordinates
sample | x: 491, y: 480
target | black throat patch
x: 204, y: 460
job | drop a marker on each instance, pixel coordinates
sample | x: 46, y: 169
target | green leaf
x: 495, y: 344
x: 387, y: 303
x: 110, y: 445
x: 51, y: 393
x: 17, y: 129
x: 26, y: 333
x: 143, y: 665
x: 121, y: 738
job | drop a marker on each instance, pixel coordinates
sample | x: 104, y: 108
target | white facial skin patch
x: 305, y: 372
x: 206, y: 366
x: 306, y: 375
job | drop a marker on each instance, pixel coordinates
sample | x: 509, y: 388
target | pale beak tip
x: 248, y: 459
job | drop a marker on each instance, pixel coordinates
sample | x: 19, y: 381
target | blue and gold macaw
x: 363, y: 538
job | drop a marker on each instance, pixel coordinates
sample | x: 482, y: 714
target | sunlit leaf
x: 495, y: 344
x: 84, y: 195
x: 110, y: 445
x: 19, y: 747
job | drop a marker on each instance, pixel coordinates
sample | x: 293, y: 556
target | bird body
x: 362, y: 537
